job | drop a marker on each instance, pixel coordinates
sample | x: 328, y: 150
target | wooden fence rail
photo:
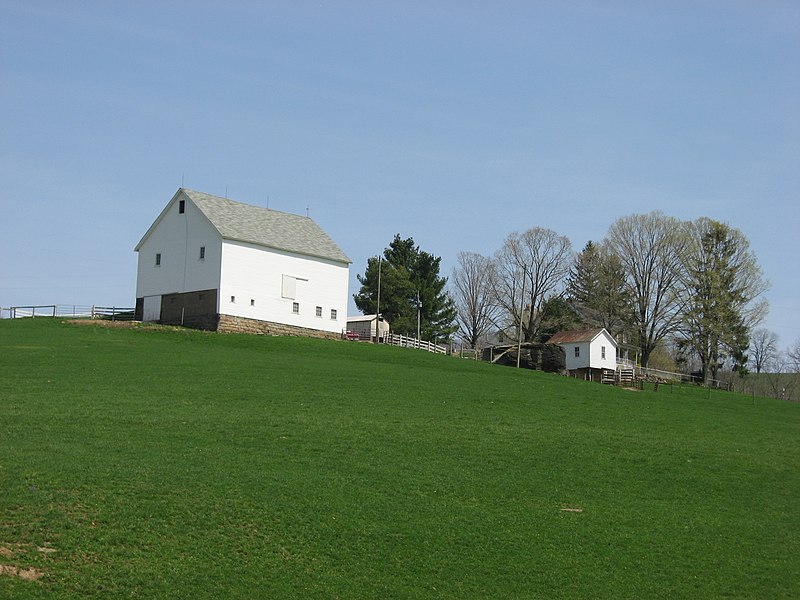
x: 76, y: 311
x: 394, y: 339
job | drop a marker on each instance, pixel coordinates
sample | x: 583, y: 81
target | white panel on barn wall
x: 289, y: 288
x: 151, y: 309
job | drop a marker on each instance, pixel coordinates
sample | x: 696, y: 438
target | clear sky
x: 454, y: 123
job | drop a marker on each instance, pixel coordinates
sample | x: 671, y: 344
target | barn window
x: 233, y: 299
x: 202, y: 252
x: 158, y: 259
x: 296, y: 308
x: 603, y: 352
x: 319, y: 311
x: 333, y: 314
x: 181, y: 206
x: 577, y: 351
x: 252, y: 302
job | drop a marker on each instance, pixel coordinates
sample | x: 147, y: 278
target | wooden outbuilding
x: 589, y: 353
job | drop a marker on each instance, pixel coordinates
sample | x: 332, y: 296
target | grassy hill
x: 154, y: 463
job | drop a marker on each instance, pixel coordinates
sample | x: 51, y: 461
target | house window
x: 202, y: 252
x: 577, y: 351
x: 158, y: 259
x: 319, y: 311
x: 296, y: 308
x: 233, y: 299
x: 333, y: 314
x: 181, y: 206
x: 603, y: 352
x: 252, y: 302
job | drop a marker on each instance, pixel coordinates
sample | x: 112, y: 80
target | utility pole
x: 521, y: 314
x: 378, y: 308
x: 419, y: 310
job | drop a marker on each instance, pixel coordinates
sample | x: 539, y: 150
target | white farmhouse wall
x: 178, y: 239
x: 252, y: 287
x: 571, y: 362
x: 596, y: 359
x: 591, y: 353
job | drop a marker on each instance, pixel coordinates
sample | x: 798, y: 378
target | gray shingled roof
x: 266, y: 227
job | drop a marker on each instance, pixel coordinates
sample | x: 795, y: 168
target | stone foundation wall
x: 229, y: 324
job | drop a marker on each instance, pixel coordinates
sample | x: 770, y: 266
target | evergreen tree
x: 583, y: 280
x: 410, y: 282
x: 597, y: 288
x: 724, y: 281
x: 558, y: 314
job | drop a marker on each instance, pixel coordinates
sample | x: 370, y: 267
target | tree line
x: 653, y: 282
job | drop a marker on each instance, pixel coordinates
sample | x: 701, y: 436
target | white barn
x: 588, y: 352
x: 213, y: 263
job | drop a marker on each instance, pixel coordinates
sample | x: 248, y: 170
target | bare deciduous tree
x: 763, y: 348
x: 651, y: 249
x: 793, y: 354
x: 471, y: 291
x: 530, y: 268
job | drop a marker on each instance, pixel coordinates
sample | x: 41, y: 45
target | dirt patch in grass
x: 29, y: 574
x: 104, y: 323
x: 10, y: 551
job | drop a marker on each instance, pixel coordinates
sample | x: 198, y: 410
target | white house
x: 588, y: 352
x: 213, y: 263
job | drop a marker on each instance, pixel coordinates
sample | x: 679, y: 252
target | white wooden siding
x: 591, y: 353
x: 251, y: 272
x: 178, y: 238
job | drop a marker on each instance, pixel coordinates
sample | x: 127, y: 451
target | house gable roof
x: 250, y: 224
x: 576, y: 336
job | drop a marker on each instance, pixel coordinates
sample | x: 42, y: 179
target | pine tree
x: 410, y: 282
x: 724, y: 282
x: 597, y: 288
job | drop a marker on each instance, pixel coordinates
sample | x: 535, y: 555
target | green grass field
x: 154, y: 463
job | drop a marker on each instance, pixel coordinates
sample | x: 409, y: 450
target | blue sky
x: 454, y: 123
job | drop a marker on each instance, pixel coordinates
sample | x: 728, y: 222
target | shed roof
x: 575, y: 336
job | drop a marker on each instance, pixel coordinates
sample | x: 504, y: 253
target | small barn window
x: 252, y: 302
x: 202, y: 252
x: 577, y: 351
x: 296, y: 308
x: 319, y: 311
x: 181, y: 206
x: 333, y: 314
x: 158, y: 259
x: 233, y: 299
x: 603, y: 352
